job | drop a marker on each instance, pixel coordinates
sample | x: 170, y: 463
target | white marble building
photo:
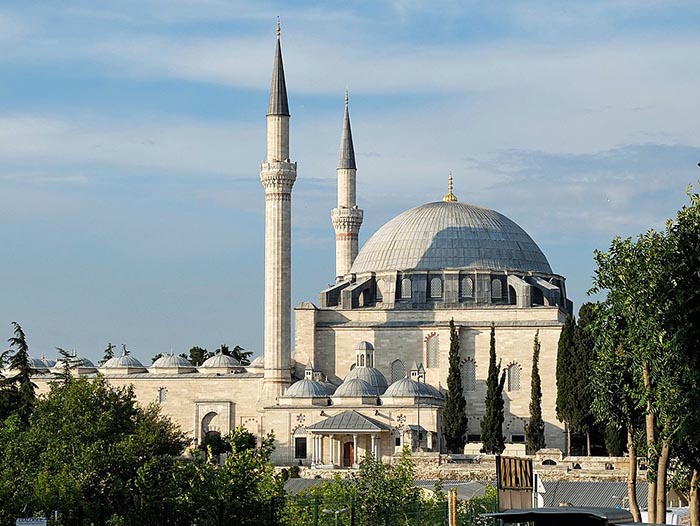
x: 368, y: 368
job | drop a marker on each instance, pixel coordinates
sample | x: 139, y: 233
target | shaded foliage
x: 454, y: 417
x: 492, y: 424
x: 534, y: 430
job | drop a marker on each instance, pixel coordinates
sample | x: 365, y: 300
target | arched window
x: 432, y: 351
x: 436, y: 288
x: 380, y: 289
x: 512, y: 296
x: 514, y: 377
x: 162, y: 395
x: 467, y: 287
x: 469, y: 368
x: 496, y: 289
x: 406, y: 289
x: 398, y: 370
x: 362, y: 360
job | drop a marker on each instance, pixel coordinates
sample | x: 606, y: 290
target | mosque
x: 368, y: 368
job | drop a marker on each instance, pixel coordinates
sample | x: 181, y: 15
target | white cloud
x: 178, y: 145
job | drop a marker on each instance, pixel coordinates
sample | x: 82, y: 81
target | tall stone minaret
x: 277, y: 174
x: 347, y: 218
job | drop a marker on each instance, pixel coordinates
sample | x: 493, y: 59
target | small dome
x: 411, y: 388
x: 75, y: 361
x: 123, y: 362
x: 257, y: 363
x: 48, y: 362
x: 171, y: 361
x: 222, y: 361
x: 308, y: 388
x: 38, y: 364
x: 372, y: 376
x: 355, y: 387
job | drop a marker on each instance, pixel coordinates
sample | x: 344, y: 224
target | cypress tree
x: 585, y: 352
x: 566, y: 381
x: 534, y: 431
x: 492, y: 423
x: 454, y: 418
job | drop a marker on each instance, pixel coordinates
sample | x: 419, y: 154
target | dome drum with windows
x: 447, y: 254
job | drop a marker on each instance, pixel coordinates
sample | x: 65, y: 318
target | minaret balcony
x: 347, y: 219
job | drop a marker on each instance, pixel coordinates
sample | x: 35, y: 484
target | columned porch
x: 342, y: 440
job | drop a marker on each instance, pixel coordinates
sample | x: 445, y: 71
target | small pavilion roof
x: 348, y: 421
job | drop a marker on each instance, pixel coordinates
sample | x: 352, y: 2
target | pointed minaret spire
x: 347, y: 149
x: 278, y: 91
x: 347, y: 218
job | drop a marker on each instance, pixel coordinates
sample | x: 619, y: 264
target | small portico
x: 347, y: 433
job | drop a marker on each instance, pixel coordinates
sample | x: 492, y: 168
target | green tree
x: 239, y: 492
x: 534, y: 430
x: 635, y: 274
x: 454, y: 417
x: 198, y: 355
x: 683, y: 299
x: 82, y: 452
x: 21, y: 364
x: 108, y: 354
x: 492, y: 424
x: 240, y: 354
x: 68, y: 361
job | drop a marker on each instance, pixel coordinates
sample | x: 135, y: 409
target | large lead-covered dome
x: 447, y: 234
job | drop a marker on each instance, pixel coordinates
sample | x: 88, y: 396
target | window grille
x: 496, y: 289
x: 514, y: 377
x: 432, y: 350
x: 467, y: 287
x: 406, y: 289
x: 469, y: 375
x: 436, y: 288
x: 398, y: 370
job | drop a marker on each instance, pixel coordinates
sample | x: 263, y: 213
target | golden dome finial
x: 279, y: 28
x: 450, y: 197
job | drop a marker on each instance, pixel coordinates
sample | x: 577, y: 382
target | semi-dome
x: 171, y: 361
x: 406, y: 387
x: 221, y: 361
x: 372, y: 376
x: 125, y: 361
x: 307, y: 388
x: 449, y: 234
x: 354, y: 388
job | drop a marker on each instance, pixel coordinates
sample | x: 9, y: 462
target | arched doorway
x: 348, y: 454
x: 209, y: 423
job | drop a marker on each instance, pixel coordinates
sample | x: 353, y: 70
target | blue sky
x: 131, y: 134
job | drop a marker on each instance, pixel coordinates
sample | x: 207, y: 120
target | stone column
x: 354, y: 451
